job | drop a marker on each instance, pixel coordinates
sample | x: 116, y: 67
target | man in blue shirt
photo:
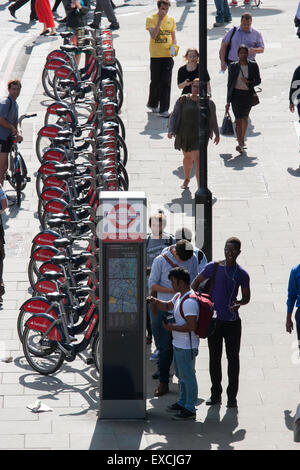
x: 182, y: 254
x: 292, y: 299
x: 9, y: 115
x: 244, y: 34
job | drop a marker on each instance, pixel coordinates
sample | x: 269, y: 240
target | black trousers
x: 160, y: 84
x: 230, y: 332
x: 19, y: 3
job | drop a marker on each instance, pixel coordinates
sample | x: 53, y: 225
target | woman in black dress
x: 243, y: 76
x: 188, y: 72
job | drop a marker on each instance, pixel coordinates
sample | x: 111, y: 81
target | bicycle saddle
x: 66, y: 34
x: 62, y: 243
x: 55, y: 222
x: 64, y: 167
x: 52, y: 275
x: 64, y: 175
x: 68, y: 48
x: 60, y: 259
x: 55, y: 296
x: 64, y: 133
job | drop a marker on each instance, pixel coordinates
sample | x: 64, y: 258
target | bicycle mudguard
x: 66, y: 72
x: 50, y: 131
x: 38, y: 305
x: 51, y: 193
x: 55, y: 155
x: 46, y: 237
x: 42, y: 323
x: 55, y: 63
x: 43, y: 286
x: 44, y: 253
x: 57, y: 206
x: 49, y: 266
x: 58, y: 54
x: 55, y: 182
x: 20, y: 165
x: 47, y: 168
x: 52, y: 109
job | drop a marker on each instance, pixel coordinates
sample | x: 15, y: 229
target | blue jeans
x: 223, y: 12
x: 184, y: 363
x: 163, y: 341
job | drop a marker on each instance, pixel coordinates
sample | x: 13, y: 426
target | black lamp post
x: 203, y: 196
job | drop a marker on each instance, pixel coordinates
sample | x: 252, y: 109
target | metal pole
x: 203, y: 196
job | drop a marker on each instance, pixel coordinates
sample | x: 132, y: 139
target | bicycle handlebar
x: 26, y: 116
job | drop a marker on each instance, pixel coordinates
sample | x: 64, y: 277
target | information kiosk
x: 122, y: 234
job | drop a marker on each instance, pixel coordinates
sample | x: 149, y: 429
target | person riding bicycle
x: 9, y: 124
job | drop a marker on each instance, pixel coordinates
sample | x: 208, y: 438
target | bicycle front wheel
x: 41, y: 353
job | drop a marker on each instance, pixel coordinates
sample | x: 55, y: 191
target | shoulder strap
x: 169, y: 261
x: 187, y: 296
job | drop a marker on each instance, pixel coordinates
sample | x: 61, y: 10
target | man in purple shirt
x: 229, y: 277
x: 244, y: 34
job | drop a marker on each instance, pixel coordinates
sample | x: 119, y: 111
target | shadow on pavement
x: 239, y: 162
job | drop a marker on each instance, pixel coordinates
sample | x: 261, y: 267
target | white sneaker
x: 154, y: 356
x: 154, y: 110
x: 165, y: 114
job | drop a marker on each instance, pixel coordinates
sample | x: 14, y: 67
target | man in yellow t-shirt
x: 161, y: 28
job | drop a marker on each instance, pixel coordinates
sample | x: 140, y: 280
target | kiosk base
x: 122, y: 409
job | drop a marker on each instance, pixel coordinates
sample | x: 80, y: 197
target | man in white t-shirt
x: 185, y: 342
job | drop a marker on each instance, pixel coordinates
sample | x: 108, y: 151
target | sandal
x: 185, y: 184
x: 239, y: 148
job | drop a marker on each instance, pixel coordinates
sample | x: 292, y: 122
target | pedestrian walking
x: 161, y: 28
x: 244, y: 34
x: 45, y: 16
x: 3, y: 207
x: 157, y: 240
x: 294, y: 94
x: 107, y: 7
x: 185, y: 342
x: 292, y: 299
x: 188, y: 72
x: 18, y: 4
x: 180, y: 255
x: 223, y: 14
x: 184, y: 125
x: 243, y: 76
x: 9, y: 127
x: 229, y: 277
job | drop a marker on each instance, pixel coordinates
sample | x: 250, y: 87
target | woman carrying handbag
x: 243, y: 76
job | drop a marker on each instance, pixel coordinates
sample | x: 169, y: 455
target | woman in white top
x: 243, y: 76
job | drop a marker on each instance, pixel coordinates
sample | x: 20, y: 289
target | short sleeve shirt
x: 9, y: 111
x: 190, y: 307
x: 253, y: 38
x: 159, y: 47
x: 183, y: 74
x: 226, y: 285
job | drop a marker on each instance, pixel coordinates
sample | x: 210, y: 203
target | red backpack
x: 205, y: 321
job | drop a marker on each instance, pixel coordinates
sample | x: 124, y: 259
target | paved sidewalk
x: 256, y: 199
